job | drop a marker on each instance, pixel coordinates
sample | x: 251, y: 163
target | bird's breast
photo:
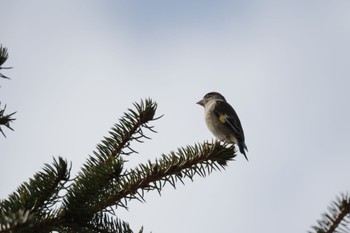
x: 214, y: 125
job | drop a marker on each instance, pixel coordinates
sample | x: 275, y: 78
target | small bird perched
x: 222, y: 120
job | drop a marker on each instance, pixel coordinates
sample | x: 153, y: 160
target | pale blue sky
x: 284, y: 66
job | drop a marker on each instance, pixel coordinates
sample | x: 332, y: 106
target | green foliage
x: 34, y: 202
x: 338, y: 217
x: 3, y: 58
x: 100, y: 174
x: 89, y: 203
x: 5, y: 119
x: 184, y: 163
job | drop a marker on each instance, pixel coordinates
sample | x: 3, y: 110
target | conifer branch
x: 102, y: 171
x: 338, y: 217
x: 33, y: 200
x: 130, y: 128
x: 200, y: 159
x: 3, y: 57
x: 86, y: 204
x: 5, y: 120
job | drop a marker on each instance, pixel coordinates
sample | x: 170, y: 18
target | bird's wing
x: 228, y: 116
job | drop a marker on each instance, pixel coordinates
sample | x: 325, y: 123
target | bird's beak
x: 201, y: 102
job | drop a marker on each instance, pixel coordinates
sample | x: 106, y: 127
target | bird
x: 222, y: 120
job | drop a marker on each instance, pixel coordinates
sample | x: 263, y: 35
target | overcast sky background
x: 283, y: 65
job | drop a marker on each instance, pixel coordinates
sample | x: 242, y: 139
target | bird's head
x: 211, y: 96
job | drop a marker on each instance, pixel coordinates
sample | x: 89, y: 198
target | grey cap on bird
x: 222, y: 120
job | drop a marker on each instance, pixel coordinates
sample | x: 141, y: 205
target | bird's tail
x: 242, y: 147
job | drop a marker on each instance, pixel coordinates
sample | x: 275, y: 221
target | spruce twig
x: 33, y: 201
x: 5, y: 120
x: 337, y: 219
x: 189, y: 161
x: 3, y: 57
